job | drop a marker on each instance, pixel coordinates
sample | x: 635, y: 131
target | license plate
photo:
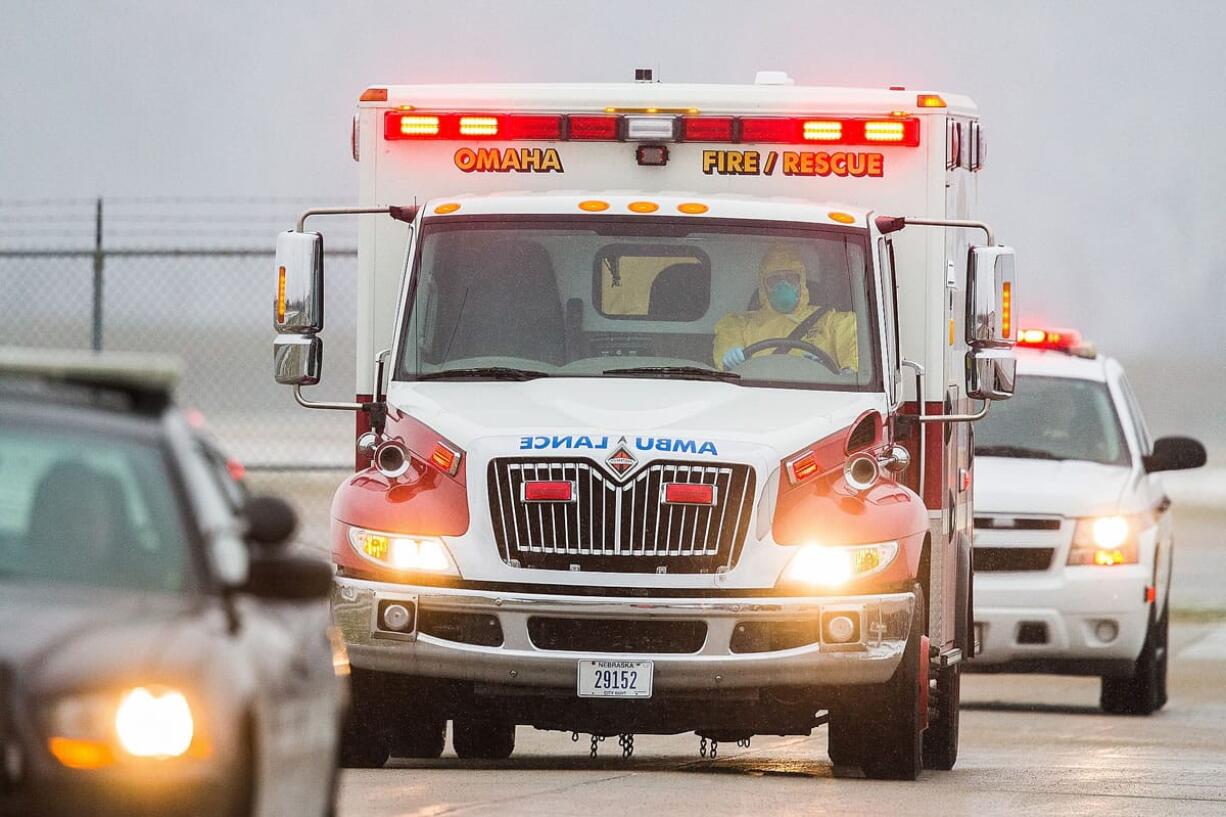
x: 615, y: 679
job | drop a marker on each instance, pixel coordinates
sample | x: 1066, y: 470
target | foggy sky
x: 1105, y: 120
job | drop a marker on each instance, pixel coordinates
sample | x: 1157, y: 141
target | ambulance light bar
x: 902, y: 131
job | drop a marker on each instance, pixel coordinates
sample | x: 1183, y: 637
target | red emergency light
x: 417, y: 125
x: 688, y: 493
x: 899, y: 131
x: 1060, y: 340
x: 548, y: 491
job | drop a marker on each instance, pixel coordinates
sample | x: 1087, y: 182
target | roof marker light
x: 594, y: 206
x: 692, y: 208
x: 842, y: 218
x: 444, y: 209
x: 929, y: 101
x: 642, y: 207
x: 373, y: 95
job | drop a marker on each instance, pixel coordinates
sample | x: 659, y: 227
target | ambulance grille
x: 620, y: 527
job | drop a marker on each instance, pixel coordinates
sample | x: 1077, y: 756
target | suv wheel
x: 1145, y: 692
x: 482, y: 740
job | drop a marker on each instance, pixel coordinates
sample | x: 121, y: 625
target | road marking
x: 1210, y: 648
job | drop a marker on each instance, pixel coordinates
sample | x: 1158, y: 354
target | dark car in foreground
x: 162, y: 649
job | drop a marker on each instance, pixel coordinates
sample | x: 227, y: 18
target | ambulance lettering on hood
x: 575, y: 442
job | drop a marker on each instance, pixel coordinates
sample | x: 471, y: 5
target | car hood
x: 1051, y: 487
x: 643, y: 410
x: 53, y: 634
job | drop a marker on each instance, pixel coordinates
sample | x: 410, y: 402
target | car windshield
x: 88, y: 509
x: 1056, y: 418
x: 750, y: 303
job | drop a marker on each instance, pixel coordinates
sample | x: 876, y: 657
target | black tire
x: 941, y: 736
x: 1145, y: 692
x: 884, y: 734
x: 482, y: 740
x: 419, y: 738
x: 365, y: 739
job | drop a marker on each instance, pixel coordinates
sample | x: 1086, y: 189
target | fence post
x: 96, y: 344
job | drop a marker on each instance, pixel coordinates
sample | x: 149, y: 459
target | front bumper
x: 1057, y: 622
x: 519, y: 662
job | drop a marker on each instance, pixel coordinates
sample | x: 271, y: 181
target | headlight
x: 832, y: 566
x: 95, y: 730
x: 1107, y: 540
x: 425, y: 554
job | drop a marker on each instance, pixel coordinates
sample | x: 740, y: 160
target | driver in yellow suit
x: 784, y: 298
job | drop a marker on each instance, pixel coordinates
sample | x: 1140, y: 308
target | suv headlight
x: 94, y: 730
x: 400, y: 551
x: 1108, y: 540
x: 833, y: 566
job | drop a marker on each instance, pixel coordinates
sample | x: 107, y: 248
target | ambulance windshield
x: 751, y: 303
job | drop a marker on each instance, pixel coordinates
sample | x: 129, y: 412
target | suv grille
x: 615, y: 527
x: 1012, y: 559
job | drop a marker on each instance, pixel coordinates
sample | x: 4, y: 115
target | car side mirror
x: 271, y: 521
x: 1175, y: 454
x: 284, y: 576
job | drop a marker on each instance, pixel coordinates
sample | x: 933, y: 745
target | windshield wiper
x: 1016, y: 451
x: 679, y: 372
x: 484, y: 373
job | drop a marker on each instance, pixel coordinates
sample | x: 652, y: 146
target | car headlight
x: 833, y: 566
x: 424, y: 554
x: 1108, y: 540
x: 94, y: 730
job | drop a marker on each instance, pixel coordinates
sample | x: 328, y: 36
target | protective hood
x: 1005, y: 485
x: 783, y: 258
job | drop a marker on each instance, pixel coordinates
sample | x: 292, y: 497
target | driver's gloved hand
x: 734, y: 357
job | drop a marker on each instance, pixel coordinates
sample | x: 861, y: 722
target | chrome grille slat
x: 627, y: 527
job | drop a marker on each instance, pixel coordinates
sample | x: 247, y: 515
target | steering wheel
x: 819, y: 355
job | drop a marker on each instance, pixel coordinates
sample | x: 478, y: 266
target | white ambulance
x: 1073, y: 527
x: 669, y: 429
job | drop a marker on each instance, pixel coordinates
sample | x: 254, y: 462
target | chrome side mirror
x: 896, y: 460
x: 990, y: 302
x: 297, y: 359
x: 991, y: 374
x: 299, y: 305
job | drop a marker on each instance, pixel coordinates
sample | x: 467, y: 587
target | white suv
x: 1073, y: 528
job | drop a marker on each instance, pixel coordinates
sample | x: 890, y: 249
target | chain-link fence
x: 194, y: 278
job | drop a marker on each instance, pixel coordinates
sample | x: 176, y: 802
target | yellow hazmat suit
x: 834, y: 332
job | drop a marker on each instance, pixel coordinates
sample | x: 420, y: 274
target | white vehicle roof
x: 637, y: 97
x: 1063, y: 364
x: 721, y: 206
x: 121, y: 370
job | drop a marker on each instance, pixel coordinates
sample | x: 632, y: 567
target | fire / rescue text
x: 792, y: 163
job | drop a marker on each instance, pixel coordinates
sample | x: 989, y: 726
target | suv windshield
x: 1056, y: 418
x: 751, y: 303
x: 88, y: 509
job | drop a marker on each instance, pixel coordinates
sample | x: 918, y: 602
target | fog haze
x: 1105, y: 120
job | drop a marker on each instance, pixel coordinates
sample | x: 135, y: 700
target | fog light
x: 397, y: 617
x: 840, y: 629
x: 1106, y: 631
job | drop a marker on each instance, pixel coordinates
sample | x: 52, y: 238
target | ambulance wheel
x: 941, y: 736
x: 364, y: 740
x: 482, y: 740
x: 364, y: 745
x: 1145, y: 692
x: 883, y: 732
x: 420, y: 738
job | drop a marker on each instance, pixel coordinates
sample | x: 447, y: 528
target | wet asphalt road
x: 1031, y: 745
